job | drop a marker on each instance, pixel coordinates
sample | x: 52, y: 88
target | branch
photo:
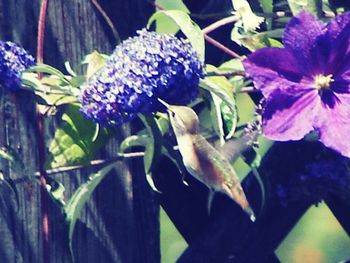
x: 41, y: 140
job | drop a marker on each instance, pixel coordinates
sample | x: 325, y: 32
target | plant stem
x: 225, y: 74
x: 221, y: 46
x: 41, y: 141
x: 107, y: 19
x: 220, y: 23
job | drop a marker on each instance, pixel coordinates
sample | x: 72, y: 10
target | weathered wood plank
x: 123, y: 213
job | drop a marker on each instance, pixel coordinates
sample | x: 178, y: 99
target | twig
x: 41, y: 140
x: 222, y: 47
x: 93, y: 163
x: 225, y: 74
x: 107, y: 19
x: 220, y: 23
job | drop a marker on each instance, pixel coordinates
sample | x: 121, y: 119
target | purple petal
x: 300, y: 35
x: 331, y: 48
x: 334, y: 125
x: 272, y: 68
x: 290, y: 117
x: 340, y: 53
x: 337, y: 25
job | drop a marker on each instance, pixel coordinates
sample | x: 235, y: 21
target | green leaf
x: 215, y: 114
x: 56, y: 191
x: 187, y: 26
x: 165, y: 24
x: 258, y: 40
x: 94, y: 61
x: 73, y: 142
x: 232, y: 65
x: 76, y: 203
x: 221, y: 87
x: 134, y: 140
x: 173, y: 5
x: 153, y: 147
x: 314, y: 6
x: 267, y: 5
x: 44, y: 68
x: 13, y: 157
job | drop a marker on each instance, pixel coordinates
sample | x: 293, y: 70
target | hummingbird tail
x: 250, y: 212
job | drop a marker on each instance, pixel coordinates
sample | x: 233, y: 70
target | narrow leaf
x: 80, y: 197
x: 153, y: 147
x: 221, y: 87
x: 44, y: 68
x: 134, y: 140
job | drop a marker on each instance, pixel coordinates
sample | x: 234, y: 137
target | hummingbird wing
x: 233, y: 148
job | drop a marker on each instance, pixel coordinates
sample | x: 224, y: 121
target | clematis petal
x: 337, y: 25
x: 273, y: 67
x: 331, y: 51
x: 333, y: 126
x: 300, y: 35
x: 340, y: 52
x: 290, y: 117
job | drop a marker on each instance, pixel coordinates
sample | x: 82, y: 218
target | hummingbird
x: 202, y: 160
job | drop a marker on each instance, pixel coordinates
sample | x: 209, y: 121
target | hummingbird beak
x: 167, y: 106
x: 163, y: 102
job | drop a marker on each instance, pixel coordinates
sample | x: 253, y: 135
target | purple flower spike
x: 13, y: 61
x: 306, y: 84
x: 141, y: 70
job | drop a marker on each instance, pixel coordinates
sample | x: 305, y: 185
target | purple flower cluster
x: 141, y: 70
x: 306, y: 84
x: 13, y: 61
x: 318, y: 180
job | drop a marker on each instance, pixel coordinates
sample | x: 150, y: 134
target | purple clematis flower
x: 306, y: 84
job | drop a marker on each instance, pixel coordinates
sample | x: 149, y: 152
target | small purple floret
x: 13, y: 61
x: 306, y: 84
x: 141, y: 70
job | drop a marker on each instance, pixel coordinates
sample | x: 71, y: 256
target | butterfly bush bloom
x: 306, y: 84
x: 141, y: 70
x: 13, y: 61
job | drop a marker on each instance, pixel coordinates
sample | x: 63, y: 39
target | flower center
x: 323, y: 82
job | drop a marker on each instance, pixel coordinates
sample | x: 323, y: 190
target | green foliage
x: 80, y: 197
x: 75, y: 140
x: 314, y: 6
x: 11, y: 155
x: 165, y: 24
x: 153, y: 147
x: 94, y: 62
x: 223, y: 89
